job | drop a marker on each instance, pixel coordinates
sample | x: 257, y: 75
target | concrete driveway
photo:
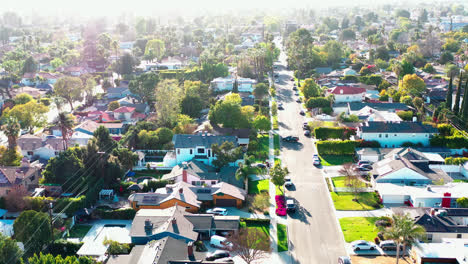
x: 243, y: 213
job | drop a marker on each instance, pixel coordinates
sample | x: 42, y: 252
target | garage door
x: 393, y: 199
x: 226, y: 202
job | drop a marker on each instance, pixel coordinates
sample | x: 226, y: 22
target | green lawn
x: 366, y: 201
x: 255, y: 187
x: 79, y: 231
x: 340, y: 182
x: 264, y: 227
x: 357, y: 228
x: 276, y: 142
x: 275, y: 122
x: 282, y: 238
x: 329, y: 124
x: 333, y: 160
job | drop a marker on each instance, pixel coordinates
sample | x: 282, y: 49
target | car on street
x: 305, y: 126
x: 218, y: 254
x: 316, y: 160
x: 367, y: 166
x: 298, y: 100
x: 302, y: 112
x: 280, y: 106
x: 362, y: 162
x: 287, y: 181
x: 277, y: 81
x: 292, y: 79
x: 295, y: 88
x: 362, y: 245
x: 259, y: 165
x: 276, y: 75
x: 307, y: 133
x: 290, y: 139
x: 389, y: 245
x: 217, y: 211
x: 296, y: 94
x: 290, y: 205
x: 344, y: 260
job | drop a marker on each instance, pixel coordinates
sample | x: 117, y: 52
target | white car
x: 316, y: 159
x: 217, y: 211
x: 362, y: 245
x: 288, y: 182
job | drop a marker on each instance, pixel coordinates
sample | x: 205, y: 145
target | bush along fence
x: 334, y: 147
x: 280, y: 205
x: 323, y: 133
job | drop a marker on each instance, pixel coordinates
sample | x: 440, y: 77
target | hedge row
x: 64, y: 248
x: 323, y: 133
x: 124, y: 214
x: 454, y: 142
x: 255, y: 221
x: 455, y: 161
x: 332, y: 147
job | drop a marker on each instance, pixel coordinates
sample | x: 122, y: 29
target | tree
x: 412, y: 85
x: 15, y: 201
x: 70, y: 89
x: 50, y: 259
x: 462, y: 202
x: 250, y: 244
x: 23, y: 98
x: 404, y: 232
x: 347, y: 34
x: 262, y: 123
x: 260, y: 91
x: 429, y: 68
x: 191, y: 105
x: 278, y: 174
x: 11, y: 129
x: 406, y: 68
x: 228, y: 113
x: 225, y: 154
x: 446, y: 57
x: 33, y: 229
x: 167, y: 103
x: 310, y: 89
x: 125, y: 64
x: 65, y: 122
x: 113, y: 105
x: 451, y: 70
x: 352, y: 180
x: 154, y: 49
x: 126, y: 157
x: 9, y: 251
x: 29, y: 65
x: 448, y: 98
x: 456, y: 107
x: 56, y: 62
x: 144, y: 86
x: 104, y: 141
x: 29, y: 115
x: 465, y: 103
x: 402, y: 13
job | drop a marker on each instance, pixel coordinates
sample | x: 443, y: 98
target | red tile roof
x: 124, y: 109
x: 347, y: 90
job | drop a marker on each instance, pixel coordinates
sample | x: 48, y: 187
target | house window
x: 178, y: 151
x: 213, y: 182
x: 386, y: 135
x: 187, y: 207
x: 395, y: 135
x: 459, y: 235
x: 414, y: 134
x: 32, y: 178
x: 380, y: 135
x: 30, y: 153
x: 200, y: 151
x: 429, y: 237
x: 209, y: 153
x: 194, y: 182
x: 191, y: 151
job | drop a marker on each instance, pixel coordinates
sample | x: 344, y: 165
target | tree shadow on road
x: 301, y: 213
x: 292, y: 146
x: 283, y: 125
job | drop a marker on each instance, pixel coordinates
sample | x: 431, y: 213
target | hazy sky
x: 87, y: 8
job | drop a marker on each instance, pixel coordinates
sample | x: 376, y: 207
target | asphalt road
x: 313, y: 230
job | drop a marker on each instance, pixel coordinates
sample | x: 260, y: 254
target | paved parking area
x: 377, y: 252
x: 244, y: 213
x: 378, y: 260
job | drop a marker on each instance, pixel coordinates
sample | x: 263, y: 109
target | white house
x: 195, y: 147
x: 394, y: 134
x: 34, y: 146
x: 345, y: 94
x: 31, y: 78
x: 128, y: 114
x: 227, y: 84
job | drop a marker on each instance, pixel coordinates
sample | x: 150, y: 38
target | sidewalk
x: 374, y: 213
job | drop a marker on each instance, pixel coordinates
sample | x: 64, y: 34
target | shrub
x: 124, y: 214
x: 64, y: 248
x: 377, y: 240
x: 405, y: 115
x: 445, y: 130
x: 329, y: 147
x: 154, y: 184
x: 455, y: 141
x: 455, y: 161
x: 317, y: 102
x: 255, y: 221
x: 407, y: 144
x: 327, y: 110
x: 116, y: 248
x: 70, y: 204
x: 45, y: 101
x: 368, y: 144
x: 323, y: 133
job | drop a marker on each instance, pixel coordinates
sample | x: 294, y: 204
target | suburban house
x: 33, y: 146
x: 376, y: 154
x: 227, y: 84
x: 422, y: 196
x: 453, y: 251
x: 242, y: 134
x: 195, y: 147
x: 407, y: 167
x: 76, y: 70
x: 370, y: 114
x: 128, y: 114
x: 353, y: 108
x: 32, y: 78
x: 190, y: 196
x: 32, y: 91
x: 118, y: 92
x: 89, y: 126
x: 344, y: 94
x: 26, y: 175
x: 394, y: 134
x: 199, y: 174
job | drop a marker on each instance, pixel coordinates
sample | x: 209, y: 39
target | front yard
x: 255, y: 187
x: 262, y: 225
x: 282, y: 238
x: 333, y: 160
x: 79, y: 231
x: 340, y: 182
x: 359, y: 228
x: 365, y: 201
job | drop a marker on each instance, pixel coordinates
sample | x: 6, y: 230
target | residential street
x: 314, y: 234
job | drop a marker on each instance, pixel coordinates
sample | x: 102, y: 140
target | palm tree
x: 65, y: 122
x: 11, y: 130
x: 404, y: 232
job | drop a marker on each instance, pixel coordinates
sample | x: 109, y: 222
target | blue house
x: 118, y: 92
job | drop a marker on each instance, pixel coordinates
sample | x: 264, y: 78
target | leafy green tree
x: 191, y: 105
x: 451, y: 70
x: 29, y: 65
x: 155, y: 49
x: 406, y: 68
x: 446, y: 57
x: 126, y: 157
x: 33, y: 229
x: 225, y: 154
x: 50, y: 259
x: 310, y: 89
x: 11, y: 129
x: 9, y: 251
x: 278, y: 174
x: 260, y: 91
x: 464, y: 109
x: 63, y: 167
x: 56, y: 62
x: 29, y: 115
x: 407, y: 100
x: 429, y: 68
x: 65, y: 122
x: 144, y: 86
x: 113, y: 105
x: 456, y: 107
x: 104, y: 141
x: 167, y: 103
x: 70, y: 89
x: 347, y: 34
x: 23, y: 98
x: 262, y: 123
x: 126, y: 64
x: 228, y: 112
x: 412, y: 85
x: 462, y: 202
x: 448, y: 98
x: 451, y: 45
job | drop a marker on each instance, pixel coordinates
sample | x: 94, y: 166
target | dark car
x: 298, y: 100
x: 307, y: 133
x: 276, y: 75
x: 362, y: 169
x: 292, y: 79
x: 389, y: 245
x: 217, y: 255
x: 290, y: 205
x: 367, y: 166
x: 295, y: 88
x: 302, y: 112
x: 290, y: 139
x: 280, y: 107
x: 305, y: 126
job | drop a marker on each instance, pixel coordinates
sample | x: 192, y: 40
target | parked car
x: 290, y: 139
x: 224, y: 260
x: 217, y: 211
x: 305, y: 126
x: 344, y: 260
x: 276, y: 75
x: 298, y: 100
x: 295, y: 88
x: 287, y: 181
x: 316, y: 159
x: 292, y: 79
x: 367, y: 166
x: 280, y: 106
x: 259, y: 165
x: 362, y: 162
x: 220, y: 242
x: 389, y: 245
x: 277, y: 81
x: 307, y: 133
x: 290, y: 205
x: 362, y: 245
x: 217, y: 255
x: 302, y: 112
x: 296, y: 94
x: 50, y: 136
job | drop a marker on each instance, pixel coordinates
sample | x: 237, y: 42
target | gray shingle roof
x: 356, y: 106
x: 394, y: 127
x: 193, y: 141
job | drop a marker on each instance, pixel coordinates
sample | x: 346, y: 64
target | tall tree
x: 70, y: 89
x: 456, y: 107
x: 33, y: 229
x: 155, y: 49
x: 29, y: 65
x: 144, y: 86
x: 29, y: 115
x: 225, y: 153
x: 167, y: 103
x: 51, y: 259
x: 11, y: 128
x: 65, y: 122
x: 9, y: 251
x: 278, y: 174
x: 250, y: 244
x: 448, y: 98
x: 465, y: 102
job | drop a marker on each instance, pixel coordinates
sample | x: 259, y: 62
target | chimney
x: 396, y: 156
x: 415, y: 119
x: 148, y: 227
x: 174, y: 221
x: 190, y: 250
x: 184, y: 175
x: 433, y: 212
x: 181, y: 190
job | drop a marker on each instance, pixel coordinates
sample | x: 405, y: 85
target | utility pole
x: 51, y: 209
